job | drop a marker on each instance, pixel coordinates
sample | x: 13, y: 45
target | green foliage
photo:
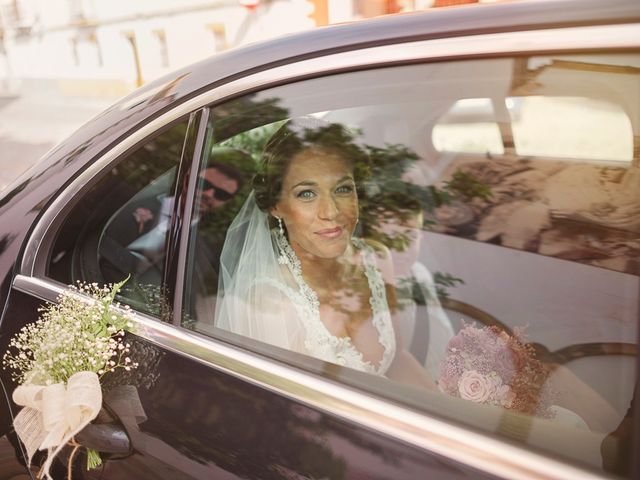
x: 444, y: 281
x: 466, y: 186
x: 253, y: 141
x: 240, y: 116
x: 411, y: 288
x: 388, y: 198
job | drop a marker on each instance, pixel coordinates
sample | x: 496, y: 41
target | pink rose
x: 475, y: 386
x: 502, y: 394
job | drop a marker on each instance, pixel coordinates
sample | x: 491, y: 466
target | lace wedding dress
x: 318, y: 340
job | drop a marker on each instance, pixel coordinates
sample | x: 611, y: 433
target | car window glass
x: 574, y: 127
x: 511, y: 281
x: 468, y: 126
x: 119, y: 226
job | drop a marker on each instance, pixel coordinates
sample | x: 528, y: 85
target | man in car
x: 135, y: 241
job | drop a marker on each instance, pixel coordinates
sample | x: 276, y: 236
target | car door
x: 205, y: 402
x: 173, y: 416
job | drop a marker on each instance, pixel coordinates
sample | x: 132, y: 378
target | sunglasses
x: 218, y: 193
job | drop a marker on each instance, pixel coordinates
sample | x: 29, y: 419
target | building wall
x: 106, y: 47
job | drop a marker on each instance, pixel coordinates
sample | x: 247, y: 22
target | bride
x: 292, y: 273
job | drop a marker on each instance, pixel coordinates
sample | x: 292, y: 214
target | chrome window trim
x: 452, y: 441
x: 476, y: 450
x: 198, y: 147
x: 536, y: 41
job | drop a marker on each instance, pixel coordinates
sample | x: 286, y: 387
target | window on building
x: 163, y: 49
x: 219, y: 33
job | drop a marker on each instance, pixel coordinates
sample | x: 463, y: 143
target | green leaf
x: 116, y: 288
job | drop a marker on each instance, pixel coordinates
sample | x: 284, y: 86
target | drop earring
x: 282, y: 244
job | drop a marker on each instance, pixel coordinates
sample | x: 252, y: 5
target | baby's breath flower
x: 76, y: 334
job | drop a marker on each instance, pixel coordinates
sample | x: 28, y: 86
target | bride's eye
x: 306, y: 194
x: 347, y: 188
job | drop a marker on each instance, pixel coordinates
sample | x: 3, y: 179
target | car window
x: 491, y: 288
x: 470, y: 125
x: 574, y: 127
x: 118, y: 227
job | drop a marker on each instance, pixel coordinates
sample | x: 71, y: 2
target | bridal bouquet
x: 58, y: 362
x: 487, y: 365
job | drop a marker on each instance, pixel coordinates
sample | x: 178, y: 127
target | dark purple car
x: 503, y: 149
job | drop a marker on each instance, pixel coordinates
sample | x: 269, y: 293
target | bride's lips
x: 330, y: 232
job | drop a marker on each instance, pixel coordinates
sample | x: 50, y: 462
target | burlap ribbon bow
x: 53, y: 414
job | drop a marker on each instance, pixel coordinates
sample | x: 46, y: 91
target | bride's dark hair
x: 294, y: 137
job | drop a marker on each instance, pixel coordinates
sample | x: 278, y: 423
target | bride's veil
x: 255, y: 298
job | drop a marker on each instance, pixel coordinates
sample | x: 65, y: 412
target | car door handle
x: 105, y: 438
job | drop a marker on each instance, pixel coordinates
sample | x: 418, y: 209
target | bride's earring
x: 282, y: 241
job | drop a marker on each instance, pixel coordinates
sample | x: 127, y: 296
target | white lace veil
x: 254, y: 291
